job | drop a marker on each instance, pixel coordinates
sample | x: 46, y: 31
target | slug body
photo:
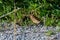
x: 34, y: 20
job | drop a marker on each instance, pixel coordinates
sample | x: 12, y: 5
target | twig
x: 15, y: 10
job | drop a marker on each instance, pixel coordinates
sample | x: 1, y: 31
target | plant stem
x: 14, y: 22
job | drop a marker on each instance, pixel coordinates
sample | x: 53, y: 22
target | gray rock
x: 29, y: 33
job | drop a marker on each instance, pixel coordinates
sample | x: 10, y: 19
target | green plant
x: 40, y: 9
x: 49, y: 33
x: 58, y: 29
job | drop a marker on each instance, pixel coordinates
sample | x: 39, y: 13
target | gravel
x: 29, y: 33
